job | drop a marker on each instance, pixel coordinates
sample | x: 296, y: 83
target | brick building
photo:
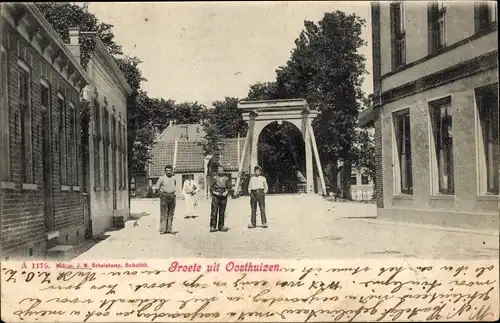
x: 42, y: 203
x: 435, y: 70
x: 106, y: 130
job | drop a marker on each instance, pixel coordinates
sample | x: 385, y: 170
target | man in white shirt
x: 257, y: 187
x: 189, y: 190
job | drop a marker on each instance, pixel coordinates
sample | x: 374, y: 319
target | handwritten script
x: 250, y: 290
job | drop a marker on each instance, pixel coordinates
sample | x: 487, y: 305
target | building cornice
x: 110, y: 64
x: 32, y: 25
x: 467, y: 68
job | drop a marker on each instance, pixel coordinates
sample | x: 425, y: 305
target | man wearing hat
x: 258, y: 190
x: 220, y: 190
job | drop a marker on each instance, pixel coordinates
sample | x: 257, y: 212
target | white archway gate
x: 259, y: 114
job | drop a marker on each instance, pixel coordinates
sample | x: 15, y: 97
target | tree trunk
x: 333, y: 171
x: 346, y: 175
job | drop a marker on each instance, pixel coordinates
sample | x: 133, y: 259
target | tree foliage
x: 65, y: 15
x: 226, y: 118
x: 326, y: 69
x: 140, y: 129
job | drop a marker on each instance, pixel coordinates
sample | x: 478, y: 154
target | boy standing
x: 220, y: 190
x: 258, y: 190
x: 189, y: 191
x: 166, y: 187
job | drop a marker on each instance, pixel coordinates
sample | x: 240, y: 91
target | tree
x: 263, y: 91
x: 326, y: 69
x: 227, y: 119
x: 140, y: 128
x: 188, y: 112
x: 163, y: 113
x: 64, y: 15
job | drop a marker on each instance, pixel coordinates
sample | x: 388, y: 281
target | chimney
x: 74, y: 43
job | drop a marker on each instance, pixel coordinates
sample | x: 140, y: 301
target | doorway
x: 281, y: 154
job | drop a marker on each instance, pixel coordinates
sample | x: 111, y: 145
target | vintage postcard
x: 249, y: 161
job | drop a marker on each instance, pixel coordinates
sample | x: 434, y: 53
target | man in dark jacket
x: 220, y: 190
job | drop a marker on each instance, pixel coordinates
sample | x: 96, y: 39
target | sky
x: 201, y: 51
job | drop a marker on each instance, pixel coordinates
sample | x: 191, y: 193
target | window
x: 72, y: 147
x: 365, y: 180
x: 25, y: 124
x: 105, y: 136
x: 97, y: 144
x: 353, y: 180
x: 114, y: 146
x: 441, y: 121
x: 404, y: 170
x: 437, y: 25
x: 398, y: 21
x: 125, y: 153
x: 119, y: 153
x: 62, y: 139
x: 489, y: 159
x: 5, y: 173
x: 486, y: 15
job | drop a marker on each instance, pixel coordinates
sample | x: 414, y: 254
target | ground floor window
x: 403, y: 163
x: 441, y: 122
x: 488, y: 143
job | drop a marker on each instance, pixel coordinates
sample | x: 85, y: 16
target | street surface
x: 300, y: 226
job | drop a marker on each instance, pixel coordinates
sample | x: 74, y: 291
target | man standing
x: 258, y: 190
x: 189, y: 191
x: 166, y: 187
x: 220, y: 190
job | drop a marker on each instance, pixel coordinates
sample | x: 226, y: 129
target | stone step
x: 61, y: 252
x: 118, y: 222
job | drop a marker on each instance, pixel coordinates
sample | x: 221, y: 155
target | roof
x: 186, y: 132
x: 111, y: 65
x: 189, y: 157
x: 163, y: 155
x: 43, y: 29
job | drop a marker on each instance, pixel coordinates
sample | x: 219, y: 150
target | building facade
x: 436, y: 112
x: 107, y: 141
x: 42, y: 199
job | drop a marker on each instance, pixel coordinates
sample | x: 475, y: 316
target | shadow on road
x: 137, y: 216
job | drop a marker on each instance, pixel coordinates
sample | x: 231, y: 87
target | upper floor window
x: 486, y: 15
x: 398, y: 22
x: 441, y: 120
x: 488, y: 143
x: 25, y: 122
x: 62, y: 139
x: 404, y: 170
x: 5, y: 173
x: 437, y: 25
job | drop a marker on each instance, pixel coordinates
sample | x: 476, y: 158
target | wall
x: 113, y: 98
x: 23, y: 224
x: 460, y: 25
x: 466, y: 199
